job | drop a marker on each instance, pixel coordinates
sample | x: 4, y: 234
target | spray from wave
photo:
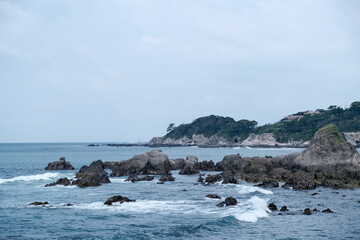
x: 37, y: 177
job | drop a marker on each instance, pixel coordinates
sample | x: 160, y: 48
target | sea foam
x: 37, y: 177
x: 244, y: 189
x: 249, y: 211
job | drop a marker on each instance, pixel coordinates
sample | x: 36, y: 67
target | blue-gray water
x: 161, y: 211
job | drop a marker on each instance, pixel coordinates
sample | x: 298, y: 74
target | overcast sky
x: 115, y: 71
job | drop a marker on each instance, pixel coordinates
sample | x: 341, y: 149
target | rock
x: 315, y: 193
x: 177, y: 164
x: 229, y: 201
x: 134, y: 178
x: 272, y: 207
x: 167, y: 177
x: 268, y: 183
x: 211, y: 179
x: 229, y: 177
x: 213, y: 196
x: 200, y: 179
x: 284, y: 208
x: 315, y: 210
x: 307, y: 211
x: 61, y: 181
x: 154, y: 163
x: 327, y: 211
x: 191, y: 166
x: 207, y: 166
x: 160, y: 182
x: 68, y: 205
x: 60, y: 165
x: 39, y: 203
x: 301, y: 180
x: 119, y: 199
x: 92, y: 175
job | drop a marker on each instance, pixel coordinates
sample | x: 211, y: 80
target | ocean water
x: 174, y: 210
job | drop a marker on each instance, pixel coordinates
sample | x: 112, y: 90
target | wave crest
x: 37, y: 177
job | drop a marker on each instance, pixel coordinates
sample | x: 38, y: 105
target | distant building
x: 299, y: 115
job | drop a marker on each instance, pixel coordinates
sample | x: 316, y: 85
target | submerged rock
x: 167, y: 177
x: 269, y: 184
x: 272, y: 207
x: 229, y: 201
x: 39, y: 203
x: 284, y: 208
x: 307, y: 211
x: 327, y: 211
x: 60, y: 165
x: 117, y: 198
x: 135, y: 178
x: 213, y: 196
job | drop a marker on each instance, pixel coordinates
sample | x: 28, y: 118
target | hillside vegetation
x: 301, y: 129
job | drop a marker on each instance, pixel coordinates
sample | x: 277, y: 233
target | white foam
x: 119, y: 180
x: 37, y: 177
x: 249, y: 211
x: 244, y: 189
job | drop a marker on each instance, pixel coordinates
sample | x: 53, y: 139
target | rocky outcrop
x: 118, y: 198
x: 60, y: 165
x: 61, y: 181
x: 191, y: 166
x: 213, y: 196
x: 195, y: 140
x: 92, y: 175
x: 177, y: 164
x: 353, y: 138
x: 268, y: 140
x: 166, y: 178
x: 154, y: 163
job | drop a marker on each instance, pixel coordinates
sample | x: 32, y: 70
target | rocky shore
x: 254, y: 140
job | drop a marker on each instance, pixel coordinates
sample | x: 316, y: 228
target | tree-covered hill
x: 302, y: 126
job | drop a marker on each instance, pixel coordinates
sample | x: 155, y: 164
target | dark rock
x: 272, y: 207
x: 327, y: 211
x: 229, y: 177
x: 200, y: 179
x: 229, y: 201
x: 154, y: 163
x: 315, y: 210
x: 307, y: 211
x: 135, y: 178
x: 211, y: 179
x: 60, y: 165
x: 68, y: 205
x: 92, y: 175
x: 207, y: 166
x: 314, y: 194
x: 167, y: 177
x: 301, y: 180
x: 39, y: 203
x: 213, y: 196
x: 119, y: 199
x: 61, y: 181
x: 268, y: 183
x: 280, y: 213
x: 160, y: 182
x: 191, y: 166
x: 184, y: 190
x: 284, y: 208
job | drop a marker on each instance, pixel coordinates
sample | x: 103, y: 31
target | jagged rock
x: 191, y: 166
x: 229, y: 177
x: 119, y: 199
x: 60, y: 165
x: 213, y: 196
x: 61, y: 181
x: 211, y: 179
x: 284, y: 208
x: 207, y: 166
x: 92, y: 175
x: 301, y: 181
x: 135, y: 178
x: 200, y: 179
x: 268, y: 183
x: 272, y: 207
x: 307, y: 211
x: 315, y: 210
x: 327, y: 211
x: 154, y: 163
x: 228, y: 202
x: 167, y: 177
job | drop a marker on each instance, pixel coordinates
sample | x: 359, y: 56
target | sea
x: 174, y: 210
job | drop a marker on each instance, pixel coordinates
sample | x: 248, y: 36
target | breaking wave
x: 37, y: 177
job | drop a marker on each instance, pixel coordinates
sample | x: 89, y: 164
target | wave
x: 249, y: 211
x: 37, y: 177
x: 244, y: 189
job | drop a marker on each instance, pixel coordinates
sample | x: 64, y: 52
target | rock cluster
x: 229, y: 201
x: 60, y: 165
x: 92, y: 175
x: 61, y: 181
x: 118, y: 198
